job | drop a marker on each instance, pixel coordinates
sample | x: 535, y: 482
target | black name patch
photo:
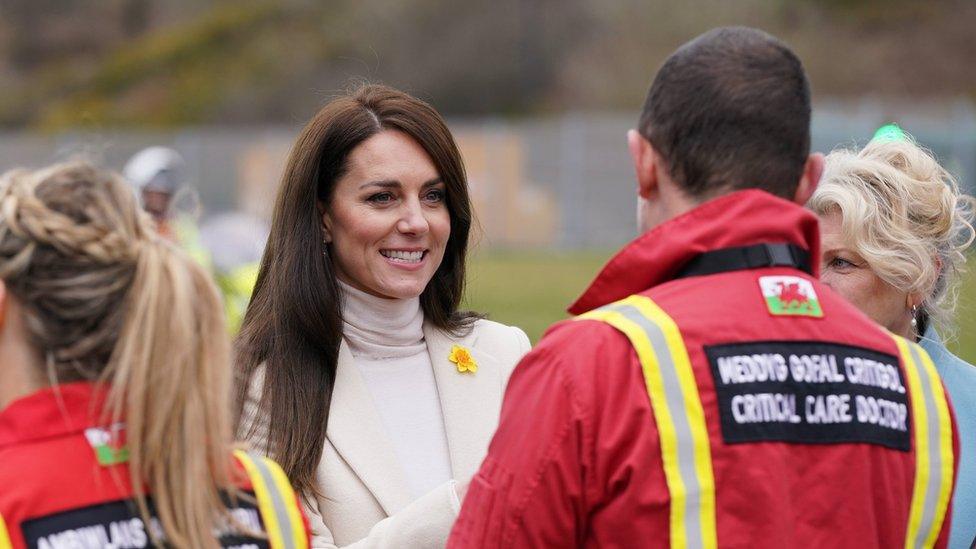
x: 117, y: 525
x: 810, y: 392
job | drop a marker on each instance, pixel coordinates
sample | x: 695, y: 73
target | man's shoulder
x: 779, y: 296
x: 578, y: 362
x: 579, y: 345
x: 580, y: 332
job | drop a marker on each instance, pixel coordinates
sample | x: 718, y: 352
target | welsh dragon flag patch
x: 109, y: 450
x: 790, y: 296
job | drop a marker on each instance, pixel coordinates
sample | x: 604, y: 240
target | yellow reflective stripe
x: 681, y: 424
x: 265, y: 504
x: 945, y: 444
x: 291, y: 504
x: 693, y: 409
x: 5, y: 542
x: 933, y: 462
x: 920, y: 426
x: 665, y: 424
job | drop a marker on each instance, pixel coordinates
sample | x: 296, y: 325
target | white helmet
x: 156, y: 169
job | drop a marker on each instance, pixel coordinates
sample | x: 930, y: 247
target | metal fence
x: 558, y: 182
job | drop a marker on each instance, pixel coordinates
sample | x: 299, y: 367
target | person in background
x: 159, y: 175
x: 894, y: 229
x: 230, y: 253
x: 115, y: 382
x: 701, y: 398
x: 358, y: 370
x: 235, y: 242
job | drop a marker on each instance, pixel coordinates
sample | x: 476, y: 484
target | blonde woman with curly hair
x: 115, y: 382
x: 894, y: 229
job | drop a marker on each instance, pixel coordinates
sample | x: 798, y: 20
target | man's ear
x: 812, y: 171
x: 645, y: 164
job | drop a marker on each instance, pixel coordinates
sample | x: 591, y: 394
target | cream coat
x: 365, y: 499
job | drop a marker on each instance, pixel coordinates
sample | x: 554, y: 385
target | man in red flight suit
x: 712, y: 392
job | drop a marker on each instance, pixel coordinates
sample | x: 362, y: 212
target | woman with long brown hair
x: 358, y: 372
x: 115, y: 382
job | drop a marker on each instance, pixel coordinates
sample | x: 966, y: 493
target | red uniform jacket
x: 63, y: 484
x: 577, y: 460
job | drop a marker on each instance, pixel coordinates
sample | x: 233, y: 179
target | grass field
x: 531, y: 290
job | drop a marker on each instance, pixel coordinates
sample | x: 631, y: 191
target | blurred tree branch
x: 172, y: 62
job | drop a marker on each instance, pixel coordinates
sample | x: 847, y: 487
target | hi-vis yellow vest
x: 686, y: 450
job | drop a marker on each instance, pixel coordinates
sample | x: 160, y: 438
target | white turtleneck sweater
x: 386, y: 339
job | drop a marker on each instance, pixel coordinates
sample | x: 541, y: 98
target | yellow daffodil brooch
x: 462, y: 357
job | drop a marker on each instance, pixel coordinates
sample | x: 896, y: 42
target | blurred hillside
x: 171, y: 63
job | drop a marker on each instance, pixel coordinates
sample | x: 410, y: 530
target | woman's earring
x: 915, y: 318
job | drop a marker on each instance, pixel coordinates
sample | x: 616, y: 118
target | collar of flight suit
x: 49, y: 413
x: 741, y: 218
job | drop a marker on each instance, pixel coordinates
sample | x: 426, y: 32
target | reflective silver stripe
x: 277, y: 500
x: 675, y: 400
x: 935, y: 449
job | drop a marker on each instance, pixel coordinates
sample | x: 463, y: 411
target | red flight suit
x: 63, y: 484
x: 752, y: 407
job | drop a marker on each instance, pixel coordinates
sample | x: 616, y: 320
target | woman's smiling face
x: 388, y: 222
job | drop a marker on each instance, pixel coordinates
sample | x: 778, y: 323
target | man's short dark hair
x: 730, y: 110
